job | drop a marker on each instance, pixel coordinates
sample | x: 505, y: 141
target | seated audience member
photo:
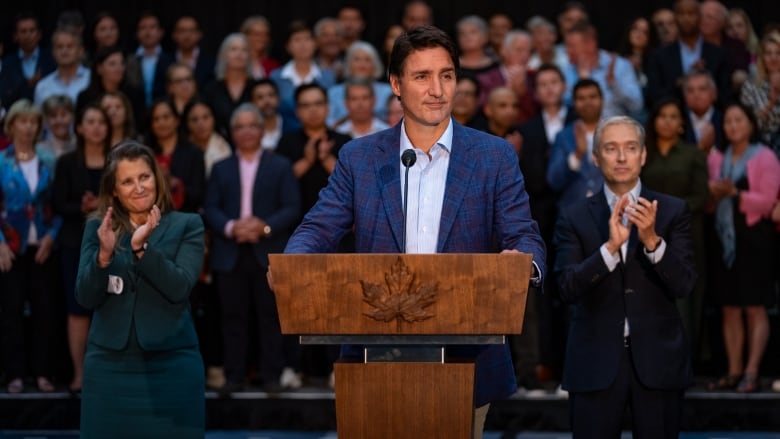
x: 676, y: 167
x: 233, y: 79
x: 58, y: 114
x: 245, y: 230
x: 473, y: 44
x: 360, y: 101
x: 571, y: 172
x: 465, y: 109
x: 70, y: 77
x: 513, y: 73
x: 689, y: 52
x: 395, y: 111
x: 180, y: 160
x: 614, y: 74
x: 23, y: 68
x: 187, y: 36
x: 544, y: 34
x: 499, y: 25
x: 744, y: 183
x: 200, y: 130
x: 665, y: 25
x: 301, y: 69
x: 352, y: 23
x: 151, y: 61
x: 120, y: 114
x: 27, y: 263
x: 362, y: 63
x: 257, y: 30
x: 180, y: 85
x: 329, y: 36
x: 714, y: 20
x: 265, y: 96
x: 705, y: 120
x: 762, y: 93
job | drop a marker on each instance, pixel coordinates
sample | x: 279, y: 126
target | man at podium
x: 465, y: 190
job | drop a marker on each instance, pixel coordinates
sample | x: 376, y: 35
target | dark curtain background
x: 220, y: 17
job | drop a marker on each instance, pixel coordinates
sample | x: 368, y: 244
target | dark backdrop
x: 219, y: 17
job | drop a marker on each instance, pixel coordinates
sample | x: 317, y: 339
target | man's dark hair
x: 473, y: 79
x: 310, y: 86
x: 269, y: 82
x: 148, y: 13
x: 298, y: 26
x: 423, y: 37
x: 547, y: 67
x: 584, y: 83
x: 26, y: 15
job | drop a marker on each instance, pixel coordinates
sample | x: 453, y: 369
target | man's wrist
x: 655, y: 243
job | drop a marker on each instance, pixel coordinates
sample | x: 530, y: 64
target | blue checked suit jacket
x: 485, y: 198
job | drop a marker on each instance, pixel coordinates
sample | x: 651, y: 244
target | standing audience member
x: 58, y: 114
x: 572, y: 14
x: 180, y: 161
x: 499, y: 25
x: 512, y: 72
x: 676, y: 167
x: 416, y: 13
x: 473, y: 44
x: 76, y: 190
x: 143, y: 373
x: 391, y: 34
x: 762, y: 94
x: 360, y: 101
x: 301, y: 69
x: 705, y: 120
x: 252, y: 204
x: 744, y: 183
x: 71, y: 77
x: 624, y: 256
x: 665, y: 25
x: 572, y: 174
x: 120, y: 114
x: 200, y: 129
x: 615, y: 75
x: 150, y: 62
x: 181, y: 85
x: 105, y: 33
x: 740, y: 28
x: 501, y: 115
x: 329, y: 35
x: 361, y: 63
x: 258, y: 35
x: 714, y: 20
x: 23, y: 68
x: 234, y: 81
x: 544, y: 34
x: 352, y: 23
x: 187, y: 36
x: 395, y: 111
x: 637, y: 45
x: 28, y: 272
x: 265, y: 96
x: 465, y: 109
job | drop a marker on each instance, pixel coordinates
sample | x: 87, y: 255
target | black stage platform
x: 313, y: 409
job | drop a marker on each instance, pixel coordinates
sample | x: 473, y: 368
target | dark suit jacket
x: 275, y: 199
x: 664, y: 71
x: 571, y: 186
x: 135, y: 73
x: 717, y: 125
x: 484, y: 197
x: 155, y: 297
x: 13, y: 84
x: 187, y: 164
x: 204, y: 69
x: 71, y: 182
x: 645, y: 293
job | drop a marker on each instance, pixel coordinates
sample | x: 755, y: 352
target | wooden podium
x: 401, y: 310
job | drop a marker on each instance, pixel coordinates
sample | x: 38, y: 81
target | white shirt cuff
x: 611, y: 260
x: 536, y: 280
x: 229, y: 228
x: 656, y: 256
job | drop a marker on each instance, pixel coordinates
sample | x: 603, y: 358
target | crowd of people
x: 703, y: 81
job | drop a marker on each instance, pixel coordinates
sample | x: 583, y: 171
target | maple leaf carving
x: 401, y: 298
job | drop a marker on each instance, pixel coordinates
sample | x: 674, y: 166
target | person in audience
x: 105, y: 32
x: 187, y: 36
x: 572, y: 14
x: 265, y: 96
x: 257, y: 30
x: 151, y: 61
x: 28, y: 272
x: 676, y: 167
x: 234, y: 81
x: 391, y: 34
x: 360, y: 102
x: 200, y: 130
x: 416, y: 13
x: 545, y: 51
x: 109, y: 74
x: 637, y: 45
x: 361, y: 63
x: 76, y: 190
x: 143, y: 373
x: 70, y: 77
x: 499, y: 25
x: 473, y: 44
x: 301, y: 69
x: 120, y: 114
x: 762, y: 94
x: 58, y: 112
x: 465, y: 109
x: 328, y: 35
x: 245, y: 230
x: 501, y: 116
x: 740, y: 28
x: 26, y: 66
x: 181, y: 85
x: 744, y: 183
x: 395, y: 111
x: 614, y: 74
x: 705, y: 120
x: 665, y: 25
x: 571, y: 173
x: 714, y: 20
x: 180, y: 161
x: 352, y: 23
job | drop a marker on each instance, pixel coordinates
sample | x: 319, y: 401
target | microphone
x: 408, y: 158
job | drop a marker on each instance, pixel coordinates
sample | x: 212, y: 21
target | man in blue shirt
x: 22, y: 69
x: 71, y: 77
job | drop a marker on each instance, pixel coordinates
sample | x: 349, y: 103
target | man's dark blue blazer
x: 276, y: 200
x: 484, y: 198
x: 600, y: 300
x: 13, y: 85
x: 571, y: 186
